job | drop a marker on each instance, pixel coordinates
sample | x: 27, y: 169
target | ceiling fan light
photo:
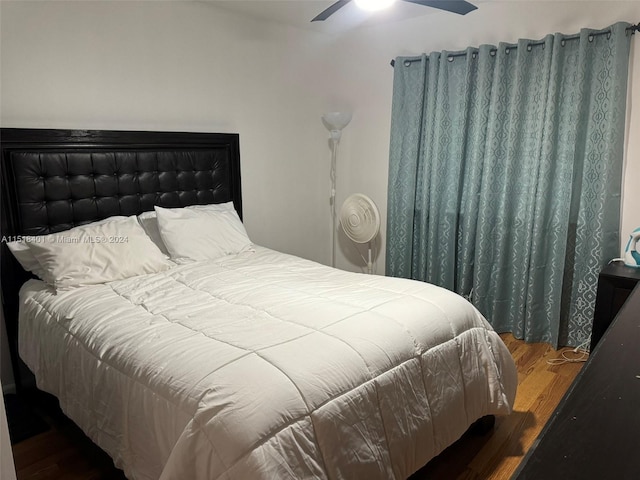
x: 373, y: 5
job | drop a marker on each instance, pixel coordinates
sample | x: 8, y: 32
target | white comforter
x: 264, y: 365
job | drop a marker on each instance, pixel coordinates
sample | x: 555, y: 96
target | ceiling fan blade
x: 455, y: 6
x: 331, y: 10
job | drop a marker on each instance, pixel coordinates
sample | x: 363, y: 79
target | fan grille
x: 360, y: 218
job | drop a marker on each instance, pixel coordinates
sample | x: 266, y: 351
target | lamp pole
x: 334, y: 122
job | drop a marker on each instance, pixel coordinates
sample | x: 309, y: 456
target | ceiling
x: 298, y: 13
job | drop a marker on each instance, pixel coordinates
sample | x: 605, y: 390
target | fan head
x: 360, y: 218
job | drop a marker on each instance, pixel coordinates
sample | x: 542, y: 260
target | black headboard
x: 52, y: 180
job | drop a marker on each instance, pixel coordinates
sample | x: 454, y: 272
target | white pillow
x: 149, y: 221
x: 114, y: 249
x: 25, y: 257
x: 203, y: 232
x: 214, y: 207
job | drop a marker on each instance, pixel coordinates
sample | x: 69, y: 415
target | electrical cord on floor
x: 579, y: 350
x: 615, y: 260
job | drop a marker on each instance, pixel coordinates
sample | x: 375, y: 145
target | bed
x: 253, y: 364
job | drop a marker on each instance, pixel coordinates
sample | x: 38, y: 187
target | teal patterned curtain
x: 505, y: 176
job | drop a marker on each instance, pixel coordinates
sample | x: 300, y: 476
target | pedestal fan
x: 360, y: 221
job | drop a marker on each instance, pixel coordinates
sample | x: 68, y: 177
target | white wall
x: 190, y: 66
x: 183, y: 66
x: 366, y: 78
x: 7, y: 468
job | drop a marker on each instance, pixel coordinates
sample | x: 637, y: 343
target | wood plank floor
x: 496, y: 455
x: 65, y: 453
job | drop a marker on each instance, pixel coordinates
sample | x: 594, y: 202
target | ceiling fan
x: 455, y: 6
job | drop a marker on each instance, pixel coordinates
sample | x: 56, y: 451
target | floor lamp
x: 335, y: 122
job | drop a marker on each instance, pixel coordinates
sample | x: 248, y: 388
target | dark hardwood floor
x: 65, y: 453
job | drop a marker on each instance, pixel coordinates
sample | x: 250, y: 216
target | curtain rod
x: 633, y: 29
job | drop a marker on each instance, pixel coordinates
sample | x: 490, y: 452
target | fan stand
x: 370, y: 261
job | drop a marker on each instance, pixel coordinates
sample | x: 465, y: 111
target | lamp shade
x: 336, y: 120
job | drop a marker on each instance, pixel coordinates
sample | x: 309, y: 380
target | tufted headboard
x: 52, y: 180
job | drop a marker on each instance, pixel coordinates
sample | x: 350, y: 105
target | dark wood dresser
x: 595, y: 431
x: 615, y: 283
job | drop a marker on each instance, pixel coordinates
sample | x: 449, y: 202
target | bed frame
x: 52, y: 180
